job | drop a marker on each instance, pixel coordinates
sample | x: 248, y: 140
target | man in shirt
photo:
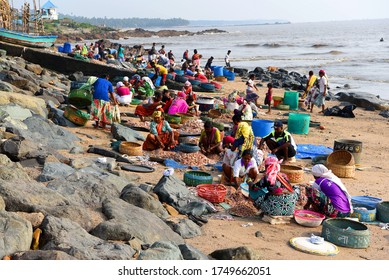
x: 227, y: 59
x: 280, y: 142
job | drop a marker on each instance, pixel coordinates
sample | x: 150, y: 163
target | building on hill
x: 49, y: 11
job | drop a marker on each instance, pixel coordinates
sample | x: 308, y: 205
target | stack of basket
x: 342, y: 163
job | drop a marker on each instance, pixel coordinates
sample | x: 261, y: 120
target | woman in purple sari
x: 179, y: 104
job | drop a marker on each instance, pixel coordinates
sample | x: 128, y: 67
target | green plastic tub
x: 298, y: 123
x: 291, y: 98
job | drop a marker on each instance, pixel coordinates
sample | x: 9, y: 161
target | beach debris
x: 247, y: 225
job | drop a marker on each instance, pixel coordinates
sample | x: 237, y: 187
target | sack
x: 116, y: 114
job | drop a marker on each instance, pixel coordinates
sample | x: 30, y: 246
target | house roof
x: 49, y: 5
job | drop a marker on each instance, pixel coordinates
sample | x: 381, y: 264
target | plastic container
x: 383, y: 211
x: 291, y: 98
x: 179, y: 72
x: 298, y: 123
x: 158, y: 81
x: 277, y: 100
x: 308, y: 218
x: 218, y: 71
x: 262, y: 128
x: 214, y: 193
x: 67, y: 47
x: 194, y: 178
x: 352, y: 146
x: 366, y: 200
x: 364, y: 213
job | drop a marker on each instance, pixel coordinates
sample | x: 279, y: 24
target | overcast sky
x: 290, y: 10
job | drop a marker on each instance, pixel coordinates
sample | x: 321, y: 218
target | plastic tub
x: 218, y: 71
x: 277, y: 100
x: 298, y: 123
x: 383, y: 211
x: 308, y: 218
x: 291, y: 98
x: 366, y: 200
x: 352, y: 146
x: 179, y: 72
x: 262, y: 128
x: 364, y: 213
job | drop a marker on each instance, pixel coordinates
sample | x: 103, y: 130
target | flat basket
x: 75, y: 115
x: 213, y: 113
x: 214, y: 193
x: 295, y: 173
x: 341, y: 157
x: 195, y: 178
x: 130, y: 148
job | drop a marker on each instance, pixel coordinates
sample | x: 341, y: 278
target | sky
x: 289, y: 10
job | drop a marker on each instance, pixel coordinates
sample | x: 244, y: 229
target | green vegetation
x: 58, y: 26
x: 129, y: 22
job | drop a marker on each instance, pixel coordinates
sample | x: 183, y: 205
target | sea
x: 351, y: 52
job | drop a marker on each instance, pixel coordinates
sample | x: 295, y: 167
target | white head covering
x: 125, y: 79
x: 187, y: 83
x: 119, y: 84
x: 319, y: 170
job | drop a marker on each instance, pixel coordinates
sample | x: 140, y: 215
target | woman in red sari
x: 161, y: 134
x: 154, y: 103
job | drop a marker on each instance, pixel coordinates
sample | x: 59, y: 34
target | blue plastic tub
x: 262, y: 128
x: 366, y: 200
x: 67, y: 47
x: 364, y: 213
x: 179, y: 72
x: 218, y: 71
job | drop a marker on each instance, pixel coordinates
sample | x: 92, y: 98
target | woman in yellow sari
x: 244, y: 136
x: 311, y: 81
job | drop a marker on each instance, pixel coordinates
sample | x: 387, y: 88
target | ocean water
x: 349, y: 51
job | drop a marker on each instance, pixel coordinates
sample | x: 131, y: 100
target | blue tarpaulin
x: 176, y: 165
x: 311, y: 151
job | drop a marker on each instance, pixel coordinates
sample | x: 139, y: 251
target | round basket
x: 283, y: 107
x: 383, y: 211
x: 218, y: 125
x: 295, y: 173
x: 213, y: 113
x: 185, y: 117
x: 346, y: 233
x: 188, y: 148
x: 341, y: 157
x: 194, y: 178
x: 214, y: 193
x: 130, y: 148
x: 342, y: 171
x: 75, y: 115
x: 173, y: 118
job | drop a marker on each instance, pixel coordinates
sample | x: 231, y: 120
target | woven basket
x: 130, y: 148
x: 76, y: 116
x: 213, y: 113
x: 342, y: 171
x: 341, y: 157
x: 194, y: 178
x: 295, y: 173
x: 214, y: 193
x: 185, y: 117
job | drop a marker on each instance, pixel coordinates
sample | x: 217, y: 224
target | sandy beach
x: 370, y: 179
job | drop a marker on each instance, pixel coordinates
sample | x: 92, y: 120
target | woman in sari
x: 179, y: 104
x: 244, y: 136
x: 161, y: 134
x: 311, y: 81
x: 328, y: 195
x: 245, y: 169
x: 210, y: 141
x: 154, y: 103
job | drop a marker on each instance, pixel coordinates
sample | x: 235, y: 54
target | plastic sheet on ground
x: 311, y: 151
x: 174, y: 164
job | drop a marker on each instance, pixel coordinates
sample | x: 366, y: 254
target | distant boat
x: 28, y: 40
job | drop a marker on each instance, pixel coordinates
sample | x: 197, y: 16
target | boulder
x: 42, y: 255
x: 239, y: 253
x: 54, y: 170
x: 161, y: 250
x: 67, y: 236
x: 123, y: 133
x: 191, y: 253
x: 31, y: 103
x: 2, y: 204
x: 364, y: 100
x: 35, y: 68
x: 16, y: 112
x: 18, y: 149
x: 186, y: 228
x: 15, y: 232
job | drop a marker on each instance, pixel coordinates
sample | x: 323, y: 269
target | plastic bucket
x: 298, y: 123
x: 262, y: 128
x: 291, y: 98
x: 352, y: 146
x: 218, y: 71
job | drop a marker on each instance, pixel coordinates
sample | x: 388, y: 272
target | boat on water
x: 15, y: 28
x: 28, y: 40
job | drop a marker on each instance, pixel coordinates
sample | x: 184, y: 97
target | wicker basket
x: 130, y: 148
x: 341, y: 157
x: 185, y: 117
x: 342, y: 171
x: 75, y: 115
x: 295, y: 173
x: 194, y: 178
x: 213, y: 113
x: 214, y: 193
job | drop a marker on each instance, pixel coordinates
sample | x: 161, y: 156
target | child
x: 269, y: 97
x: 192, y: 109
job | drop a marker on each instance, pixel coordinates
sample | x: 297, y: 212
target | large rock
x: 67, y: 236
x: 186, y: 228
x: 4, y: 86
x: 2, y: 204
x: 18, y: 149
x: 122, y: 133
x: 138, y: 197
x: 26, y: 196
x: 35, y: 68
x: 54, y: 170
x: 42, y: 255
x: 31, y: 103
x: 191, y: 253
x: 16, y: 112
x: 364, y: 100
x: 161, y: 251
x: 15, y: 232
x: 127, y: 221
x: 239, y: 253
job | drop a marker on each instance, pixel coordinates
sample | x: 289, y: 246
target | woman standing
x: 328, y: 195
x: 161, y: 134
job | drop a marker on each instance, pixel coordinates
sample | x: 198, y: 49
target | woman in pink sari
x: 179, y: 104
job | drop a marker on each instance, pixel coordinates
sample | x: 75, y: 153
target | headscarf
x: 119, y: 84
x: 157, y: 114
x: 125, y: 79
x: 272, y: 168
x: 187, y: 84
x: 322, y: 72
x: 228, y: 140
x: 319, y: 170
x: 181, y: 95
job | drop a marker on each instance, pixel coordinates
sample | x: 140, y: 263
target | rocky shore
x: 62, y: 199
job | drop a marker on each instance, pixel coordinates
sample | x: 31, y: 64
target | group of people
x: 316, y: 90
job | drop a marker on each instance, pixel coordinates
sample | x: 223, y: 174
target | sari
x: 163, y: 130
x: 102, y: 111
x: 244, y: 131
x: 179, y: 105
